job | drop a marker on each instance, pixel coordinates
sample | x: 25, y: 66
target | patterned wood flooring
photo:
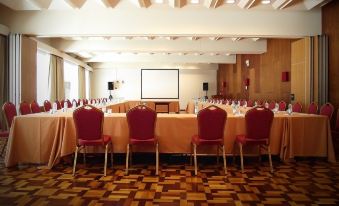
x: 305, y: 182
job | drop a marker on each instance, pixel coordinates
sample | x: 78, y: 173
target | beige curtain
x: 56, y: 84
x: 3, y: 77
x: 82, y: 82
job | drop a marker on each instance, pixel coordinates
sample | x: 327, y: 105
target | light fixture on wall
x: 247, y: 62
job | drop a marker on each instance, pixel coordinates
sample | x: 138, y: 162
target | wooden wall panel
x: 264, y: 72
x: 330, y: 27
x: 28, y: 70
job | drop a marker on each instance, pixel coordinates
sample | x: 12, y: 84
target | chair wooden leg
x: 259, y: 151
x: 4, y: 147
x: 105, y: 165
x: 191, y: 156
x: 130, y: 155
x: 195, y: 159
x: 112, y: 155
x: 84, y: 155
x: 241, y: 158
x: 157, y: 159
x: 75, y: 159
x: 224, y: 157
x: 218, y: 155
x: 270, y: 158
x: 127, y: 158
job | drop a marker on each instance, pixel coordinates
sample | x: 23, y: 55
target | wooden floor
x: 304, y: 182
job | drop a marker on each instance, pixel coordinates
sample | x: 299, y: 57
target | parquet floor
x: 306, y: 182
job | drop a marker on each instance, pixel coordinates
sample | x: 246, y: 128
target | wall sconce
x: 247, y: 62
x: 247, y: 83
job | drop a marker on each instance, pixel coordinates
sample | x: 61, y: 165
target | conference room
x: 169, y: 102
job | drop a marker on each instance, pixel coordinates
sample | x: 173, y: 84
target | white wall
x: 191, y: 78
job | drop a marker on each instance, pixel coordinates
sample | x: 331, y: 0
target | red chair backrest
x: 258, y: 123
x: 211, y: 123
x: 282, y: 106
x: 10, y: 112
x: 35, y: 107
x: 93, y: 101
x: 271, y: 105
x: 141, y: 122
x: 259, y: 102
x: 58, y: 104
x: 88, y: 122
x: 24, y: 108
x: 327, y: 109
x: 250, y: 103
x: 297, y: 107
x: 47, y: 105
x: 313, y: 108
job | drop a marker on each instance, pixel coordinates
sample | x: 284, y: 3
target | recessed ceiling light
x: 159, y: 1
x: 194, y: 1
x: 230, y: 1
x: 265, y: 1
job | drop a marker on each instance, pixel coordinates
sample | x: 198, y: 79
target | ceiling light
x: 230, y: 1
x: 265, y: 1
x: 194, y: 1
x: 159, y: 1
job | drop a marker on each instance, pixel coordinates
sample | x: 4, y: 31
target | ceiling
x: 175, y: 31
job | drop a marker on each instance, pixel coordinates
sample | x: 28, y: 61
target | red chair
x: 313, y: 108
x: 282, y: 106
x: 93, y: 101
x: 327, y: 109
x: 85, y: 101
x: 335, y: 136
x: 75, y: 102
x: 297, y: 107
x: 271, y: 105
x: 9, y: 111
x: 4, y: 136
x: 88, y: 122
x: 69, y: 104
x: 250, y: 103
x: 47, y: 105
x: 141, y: 123
x: 58, y: 104
x: 35, y: 108
x: 211, y: 125
x: 24, y: 108
x: 258, y: 128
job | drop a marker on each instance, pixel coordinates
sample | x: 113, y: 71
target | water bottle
x: 65, y: 106
x: 267, y: 105
x: 195, y: 107
x: 55, y: 107
x: 81, y: 103
x: 276, y: 108
x: 289, y: 110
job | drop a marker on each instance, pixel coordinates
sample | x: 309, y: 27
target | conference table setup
x: 44, y: 138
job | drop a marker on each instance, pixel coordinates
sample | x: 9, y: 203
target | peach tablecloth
x: 44, y: 138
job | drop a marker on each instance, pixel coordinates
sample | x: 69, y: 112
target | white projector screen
x: 159, y: 83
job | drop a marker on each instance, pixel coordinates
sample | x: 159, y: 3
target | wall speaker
x: 110, y: 86
x: 205, y: 86
x: 285, y: 76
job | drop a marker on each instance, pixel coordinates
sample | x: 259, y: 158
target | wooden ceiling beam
x: 177, y: 3
x: 110, y: 3
x: 246, y: 4
x: 213, y: 3
x: 281, y: 4
x: 310, y: 4
x: 75, y: 4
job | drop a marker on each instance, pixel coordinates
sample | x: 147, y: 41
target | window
x: 43, y: 60
x: 87, y: 83
x: 71, y: 80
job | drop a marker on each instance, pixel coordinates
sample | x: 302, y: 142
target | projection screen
x: 159, y: 83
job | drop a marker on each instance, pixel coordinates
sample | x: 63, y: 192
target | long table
x: 44, y: 138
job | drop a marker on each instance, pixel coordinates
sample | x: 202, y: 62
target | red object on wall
x: 247, y: 82
x: 285, y: 76
x: 223, y: 84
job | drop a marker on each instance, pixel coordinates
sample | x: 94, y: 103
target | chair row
x: 34, y: 107
x: 141, y: 120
